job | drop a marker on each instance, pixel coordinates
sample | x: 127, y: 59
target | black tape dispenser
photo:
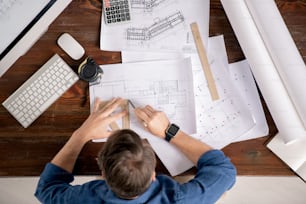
x: 89, y: 71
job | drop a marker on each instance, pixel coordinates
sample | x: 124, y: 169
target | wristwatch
x: 171, y: 131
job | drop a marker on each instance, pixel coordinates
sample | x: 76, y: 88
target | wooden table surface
x: 24, y: 152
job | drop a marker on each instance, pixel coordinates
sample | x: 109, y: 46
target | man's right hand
x: 155, y: 121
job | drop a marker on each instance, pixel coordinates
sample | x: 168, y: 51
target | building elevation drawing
x: 146, y: 5
x: 156, y: 29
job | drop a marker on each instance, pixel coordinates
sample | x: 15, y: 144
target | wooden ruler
x: 125, y: 120
x: 204, y: 61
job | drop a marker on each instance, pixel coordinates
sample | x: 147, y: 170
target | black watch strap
x: 171, y: 131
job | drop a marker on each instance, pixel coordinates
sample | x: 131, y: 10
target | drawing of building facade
x: 156, y: 29
x: 146, y: 5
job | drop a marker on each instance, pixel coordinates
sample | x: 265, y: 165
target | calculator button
x: 116, y: 11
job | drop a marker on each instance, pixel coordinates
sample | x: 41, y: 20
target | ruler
x: 125, y: 119
x: 204, y: 61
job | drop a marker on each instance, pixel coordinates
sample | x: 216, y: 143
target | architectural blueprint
x: 218, y: 123
x: 157, y: 24
x: 145, y: 5
x: 165, y: 85
x: 156, y: 29
x: 242, y: 78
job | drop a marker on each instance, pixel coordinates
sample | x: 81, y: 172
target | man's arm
x: 190, y: 146
x: 96, y: 126
x: 215, y: 175
x: 53, y: 186
x: 157, y: 122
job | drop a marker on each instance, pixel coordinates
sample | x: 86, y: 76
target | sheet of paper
x: 13, y: 19
x: 162, y: 24
x: 293, y: 154
x: 166, y: 86
x: 301, y: 171
x: 242, y: 77
x: 265, y: 72
x: 218, y: 123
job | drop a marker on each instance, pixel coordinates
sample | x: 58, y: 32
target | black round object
x: 89, y: 70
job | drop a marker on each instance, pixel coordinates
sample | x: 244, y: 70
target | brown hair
x: 127, y: 163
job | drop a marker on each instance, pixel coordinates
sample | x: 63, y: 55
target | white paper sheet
x: 218, y: 123
x: 166, y: 86
x: 301, y: 171
x: 293, y: 154
x: 164, y: 26
x: 242, y: 77
x: 266, y: 73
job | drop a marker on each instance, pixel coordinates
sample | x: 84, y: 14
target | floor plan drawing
x: 143, y: 84
x: 170, y: 22
x: 165, y: 85
x: 218, y: 122
x: 166, y: 96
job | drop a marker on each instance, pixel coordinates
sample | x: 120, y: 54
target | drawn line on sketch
x: 156, y: 29
x: 160, y: 93
x: 146, y: 5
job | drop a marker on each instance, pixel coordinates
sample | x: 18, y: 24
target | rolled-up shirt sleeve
x: 216, y: 174
x: 54, y: 185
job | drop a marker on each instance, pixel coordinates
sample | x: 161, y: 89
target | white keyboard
x: 40, y: 91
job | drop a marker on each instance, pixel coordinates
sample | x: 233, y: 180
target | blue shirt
x: 215, y: 175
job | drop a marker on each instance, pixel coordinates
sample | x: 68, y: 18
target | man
x: 128, y: 164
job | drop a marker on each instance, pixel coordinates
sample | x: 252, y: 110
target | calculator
x: 117, y: 11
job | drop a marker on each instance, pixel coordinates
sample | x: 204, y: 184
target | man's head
x: 128, y: 164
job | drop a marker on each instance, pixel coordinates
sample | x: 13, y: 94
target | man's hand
x: 96, y: 125
x: 155, y: 121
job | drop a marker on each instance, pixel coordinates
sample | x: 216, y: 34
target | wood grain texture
x: 24, y: 152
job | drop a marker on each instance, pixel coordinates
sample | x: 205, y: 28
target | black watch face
x: 173, y: 129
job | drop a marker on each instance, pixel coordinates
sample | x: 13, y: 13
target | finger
x: 116, y: 117
x: 96, y: 104
x: 113, y: 106
x: 142, y: 115
x: 107, y: 104
x: 147, y: 111
x: 150, y: 108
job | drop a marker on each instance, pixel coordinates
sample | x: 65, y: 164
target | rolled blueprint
x: 268, y: 75
x: 283, y: 51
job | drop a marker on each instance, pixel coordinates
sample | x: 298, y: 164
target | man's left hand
x: 96, y: 125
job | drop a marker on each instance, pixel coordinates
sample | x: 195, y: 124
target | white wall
x: 247, y: 190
